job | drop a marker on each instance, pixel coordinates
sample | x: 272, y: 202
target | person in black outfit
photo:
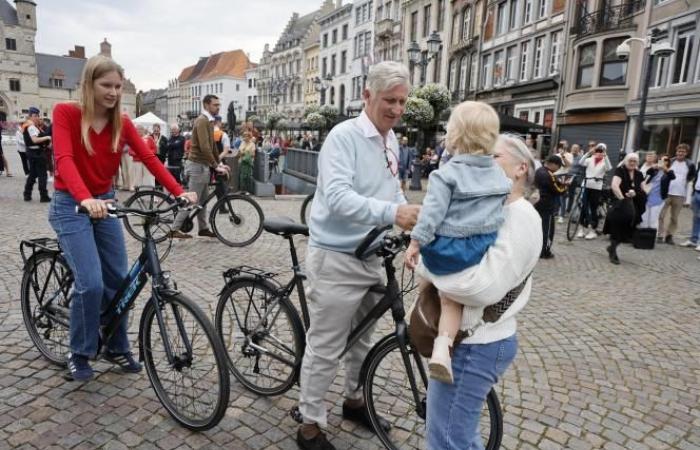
x: 173, y: 152
x: 550, y: 190
x: 36, y: 145
x: 630, y: 202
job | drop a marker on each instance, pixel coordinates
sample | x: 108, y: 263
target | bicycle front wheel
x: 149, y: 200
x: 185, y: 362
x: 45, y: 300
x: 388, y: 394
x: 263, y: 336
x: 306, y: 209
x: 236, y: 220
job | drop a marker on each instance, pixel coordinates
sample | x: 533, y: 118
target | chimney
x: 106, y: 48
x: 78, y: 52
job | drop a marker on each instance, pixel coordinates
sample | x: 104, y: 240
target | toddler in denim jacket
x: 461, y: 214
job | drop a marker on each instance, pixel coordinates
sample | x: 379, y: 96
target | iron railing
x: 608, y: 18
x: 302, y: 164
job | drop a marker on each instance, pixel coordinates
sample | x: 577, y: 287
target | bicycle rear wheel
x: 306, y: 209
x: 46, y: 305
x: 236, y: 220
x: 388, y: 393
x: 263, y: 336
x: 149, y: 200
x: 574, y: 221
x: 194, y: 386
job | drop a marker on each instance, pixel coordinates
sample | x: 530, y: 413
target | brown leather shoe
x: 177, y: 234
x: 206, y: 233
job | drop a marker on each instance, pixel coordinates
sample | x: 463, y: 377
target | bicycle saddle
x: 284, y: 226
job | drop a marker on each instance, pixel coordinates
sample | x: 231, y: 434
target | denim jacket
x: 465, y: 197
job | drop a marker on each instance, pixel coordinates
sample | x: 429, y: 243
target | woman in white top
x: 454, y: 410
x: 597, y: 164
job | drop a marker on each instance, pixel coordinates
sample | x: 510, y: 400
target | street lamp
x: 652, y: 48
x: 418, y: 58
x: 320, y: 85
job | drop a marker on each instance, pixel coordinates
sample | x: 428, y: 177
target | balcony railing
x: 462, y: 43
x: 385, y: 28
x: 608, y: 19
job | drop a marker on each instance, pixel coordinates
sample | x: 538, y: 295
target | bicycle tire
x: 238, y: 230
x: 574, y: 221
x: 50, y: 335
x: 210, y: 360
x: 235, y: 322
x: 306, y: 209
x: 408, y: 429
x: 149, y: 200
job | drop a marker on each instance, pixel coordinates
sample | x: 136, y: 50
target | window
x: 250, y: 83
x: 368, y: 43
x: 613, y: 71
x: 527, y: 13
x: 472, y: 74
x: 466, y: 23
x: 335, y: 36
x: 57, y: 82
x: 586, y: 61
x: 238, y: 87
x: 511, y: 63
x: 524, y: 60
x: 221, y: 87
x: 333, y: 59
x: 464, y: 66
x: 543, y: 9
x: 684, y: 52
x: 555, y: 56
x: 325, y: 40
x: 539, y: 58
x: 14, y: 85
x: 380, y: 10
x: 455, y: 29
x: 452, y: 74
x: 345, y: 31
x: 499, y: 70
x: 501, y: 18
x: 513, y: 14
x: 324, y: 67
x: 426, y: 21
x: 437, y: 65
x: 358, y: 11
x: 10, y: 44
x: 414, y: 26
x: 441, y: 15
x: 486, y: 72
x: 659, y: 72
x: 343, y: 61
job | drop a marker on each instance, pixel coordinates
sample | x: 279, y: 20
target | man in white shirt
x: 677, y: 191
x: 36, y: 155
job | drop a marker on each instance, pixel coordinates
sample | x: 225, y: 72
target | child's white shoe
x: 440, y: 364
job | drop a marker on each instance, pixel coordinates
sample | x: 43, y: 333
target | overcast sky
x: 155, y: 39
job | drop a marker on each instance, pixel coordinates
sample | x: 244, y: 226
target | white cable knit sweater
x: 506, y: 264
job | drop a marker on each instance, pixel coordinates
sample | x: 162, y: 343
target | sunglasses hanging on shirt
x: 393, y: 168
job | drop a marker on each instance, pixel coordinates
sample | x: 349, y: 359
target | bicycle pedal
x: 296, y: 414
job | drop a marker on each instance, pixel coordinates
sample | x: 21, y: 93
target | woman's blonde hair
x: 97, y: 67
x: 472, y: 129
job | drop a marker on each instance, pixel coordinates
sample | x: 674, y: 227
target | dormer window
x: 56, y: 82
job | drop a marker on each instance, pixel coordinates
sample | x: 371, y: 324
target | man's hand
x: 406, y: 216
x: 191, y: 197
x: 223, y: 169
x: 410, y: 258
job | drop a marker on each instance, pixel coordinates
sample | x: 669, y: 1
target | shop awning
x: 515, y: 125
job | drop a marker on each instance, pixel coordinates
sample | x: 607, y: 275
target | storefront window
x: 663, y: 135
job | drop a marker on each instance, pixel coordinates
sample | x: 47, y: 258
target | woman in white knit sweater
x: 454, y: 410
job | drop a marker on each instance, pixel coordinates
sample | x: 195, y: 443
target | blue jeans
x: 695, y: 236
x: 454, y: 410
x: 96, y: 253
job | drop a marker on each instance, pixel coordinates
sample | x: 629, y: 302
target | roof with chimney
x: 65, y: 68
x: 232, y: 63
x: 8, y: 14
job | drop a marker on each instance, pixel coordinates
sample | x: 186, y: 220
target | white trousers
x: 338, y: 297
x: 650, y: 218
x: 140, y: 176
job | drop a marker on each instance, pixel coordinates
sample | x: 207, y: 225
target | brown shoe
x: 206, y: 233
x: 177, y: 234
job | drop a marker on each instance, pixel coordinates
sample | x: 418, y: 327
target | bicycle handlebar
x: 118, y: 211
x: 388, y: 244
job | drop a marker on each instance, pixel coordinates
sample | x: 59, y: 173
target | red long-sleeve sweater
x: 84, y: 175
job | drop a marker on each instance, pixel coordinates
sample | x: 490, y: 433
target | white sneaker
x: 697, y: 249
x: 440, y: 364
x: 580, y: 233
x: 560, y: 219
x: 591, y: 235
x: 688, y: 243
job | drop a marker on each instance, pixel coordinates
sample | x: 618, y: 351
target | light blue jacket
x: 355, y: 190
x: 465, y: 197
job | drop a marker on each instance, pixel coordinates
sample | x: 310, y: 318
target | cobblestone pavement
x: 609, y: 355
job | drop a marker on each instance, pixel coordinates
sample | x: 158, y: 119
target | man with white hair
x: 357, y: 189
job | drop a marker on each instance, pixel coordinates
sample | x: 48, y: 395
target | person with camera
x: 550, y: 189
x: 36, y: 145
x: 677, y: 191
x: 655, y: 174
x: 628, y: 187
x: 596, y: 163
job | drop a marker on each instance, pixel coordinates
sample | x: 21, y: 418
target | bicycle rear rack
x: 248, y: 270
x: 49, y: 245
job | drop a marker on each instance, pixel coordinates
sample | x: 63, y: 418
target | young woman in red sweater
x: 88, y: 141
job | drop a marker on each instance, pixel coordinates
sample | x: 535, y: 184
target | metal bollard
x: 416, y: 173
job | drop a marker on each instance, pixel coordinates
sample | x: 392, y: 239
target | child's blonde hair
x: 472, y: 129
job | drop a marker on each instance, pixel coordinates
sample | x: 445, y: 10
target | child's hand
x: 411, y: 257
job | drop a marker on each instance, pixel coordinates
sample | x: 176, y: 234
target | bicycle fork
x: 402, y: 338
x: 177, y: 361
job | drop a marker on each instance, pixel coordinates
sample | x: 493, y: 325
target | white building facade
x: 335, y: 54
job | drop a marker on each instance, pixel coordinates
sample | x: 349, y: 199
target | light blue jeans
x: 96, y: 253
x: 695, y: 236
x: 454, y: 410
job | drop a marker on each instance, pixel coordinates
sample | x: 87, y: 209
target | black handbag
x: 644, y: 238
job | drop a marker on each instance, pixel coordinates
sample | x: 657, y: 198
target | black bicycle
x: 265, y: 341
x: 578, y: 213
x: 306, y: 209
x: 236, y: 218
x: 184, y: 359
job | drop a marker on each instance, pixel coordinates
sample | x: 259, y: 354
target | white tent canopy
x: 149, y: 119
